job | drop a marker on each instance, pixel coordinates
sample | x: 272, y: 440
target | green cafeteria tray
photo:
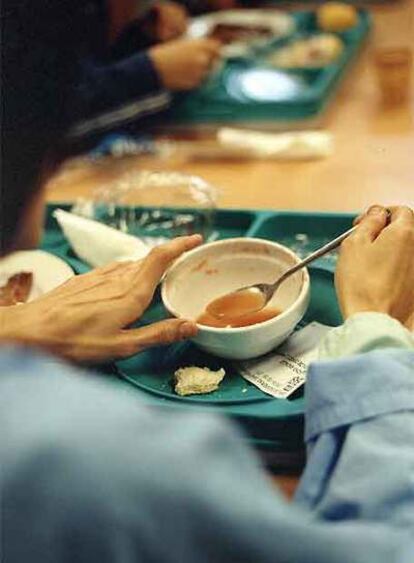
x: 221, y: 100
x: 274, y: 426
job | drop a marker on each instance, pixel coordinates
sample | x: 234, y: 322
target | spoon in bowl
x: 251, y: 299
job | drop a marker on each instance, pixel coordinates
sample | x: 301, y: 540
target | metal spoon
x: 251, y: 299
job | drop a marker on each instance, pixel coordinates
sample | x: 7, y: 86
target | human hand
x: 183, y: 64
x: 171, y: 21
x: 375, y: 270
x: 86, y: 319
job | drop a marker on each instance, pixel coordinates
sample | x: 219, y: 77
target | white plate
x: 48, y: 270
x: 278, y: 23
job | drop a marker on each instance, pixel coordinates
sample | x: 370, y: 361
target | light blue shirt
x: 90, y: 474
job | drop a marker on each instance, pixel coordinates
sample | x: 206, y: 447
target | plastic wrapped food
x: 154, y: 206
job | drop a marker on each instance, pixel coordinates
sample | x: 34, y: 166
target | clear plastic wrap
x: 154, y: 206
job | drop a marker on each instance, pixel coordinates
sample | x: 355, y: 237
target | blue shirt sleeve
x: 359, y: 427
x: 115, y: 480
x: 110, y: 94
x: 106, y: 85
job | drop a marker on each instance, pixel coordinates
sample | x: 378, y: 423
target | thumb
x: 212, y: 46
x: 372, y: 223
x: 132, y: 341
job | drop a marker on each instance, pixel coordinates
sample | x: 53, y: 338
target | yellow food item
x: 314, y: 52
x: 336, y: 16
x: 194, y: 380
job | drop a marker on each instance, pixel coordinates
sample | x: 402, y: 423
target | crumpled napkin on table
x: 296, y: 145
x: 96, y: 243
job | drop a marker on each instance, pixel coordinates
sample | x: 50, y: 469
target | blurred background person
x: 136, y: 57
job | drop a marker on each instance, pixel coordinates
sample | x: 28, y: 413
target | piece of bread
x: 193, y: 380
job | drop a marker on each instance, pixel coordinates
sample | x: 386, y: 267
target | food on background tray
x: 237, y: 29
x: 194, y: 380
x: 313, y: 52
x: 16, y: 289
x: 232, y: 33
x: 336, y: 17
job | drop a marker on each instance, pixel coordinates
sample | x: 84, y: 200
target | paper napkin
x: 96, y: 243
x: 295, y: 145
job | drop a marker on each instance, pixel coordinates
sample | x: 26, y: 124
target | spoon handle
x: 317, y: 254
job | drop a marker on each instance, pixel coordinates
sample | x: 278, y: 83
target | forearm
x: 111, y: 95
x: 105, y: 86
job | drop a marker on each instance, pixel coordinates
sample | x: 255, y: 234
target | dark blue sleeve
x: 113, y: 94
x: 103, y: 87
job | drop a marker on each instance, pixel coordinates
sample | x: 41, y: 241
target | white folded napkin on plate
x: 296, y: 145
x: 96, y: 243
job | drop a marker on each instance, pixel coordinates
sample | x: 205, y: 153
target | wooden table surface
x: 373, y: 159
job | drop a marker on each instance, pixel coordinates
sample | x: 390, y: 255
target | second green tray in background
x: 305, y: 94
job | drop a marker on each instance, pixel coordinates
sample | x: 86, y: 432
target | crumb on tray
x: 194, y: 380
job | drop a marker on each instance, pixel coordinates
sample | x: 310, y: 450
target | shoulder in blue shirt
x: 89, y: 473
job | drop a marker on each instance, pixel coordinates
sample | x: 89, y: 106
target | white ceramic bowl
x: 220, y: 267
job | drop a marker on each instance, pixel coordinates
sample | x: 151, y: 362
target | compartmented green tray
x: 305, y: 95
x: 274, y: 426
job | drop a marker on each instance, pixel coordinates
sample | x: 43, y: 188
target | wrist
x: 161, y: 65
x: 155, y: 58
x: 13, y: 324
x: 23, y: 325
x: 365, y: 332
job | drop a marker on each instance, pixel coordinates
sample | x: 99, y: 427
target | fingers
x: 134, y: 281
x: 132, y: 341
x: 143, y: 281
x: 395, y: 211
x: 181, y: 21
x: 372, y: 223
x: 207, y: 58
x: 169, y: 32
x: 213, y: 47
x: 358, y: 219
x: 160, y: 258
x: 172, y: 21
x: 402, y: 215
x: 210, y: 47
x: 203, y: 65
x: 206, y: 53
x: 370, y: 208
x: 398, y: 217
